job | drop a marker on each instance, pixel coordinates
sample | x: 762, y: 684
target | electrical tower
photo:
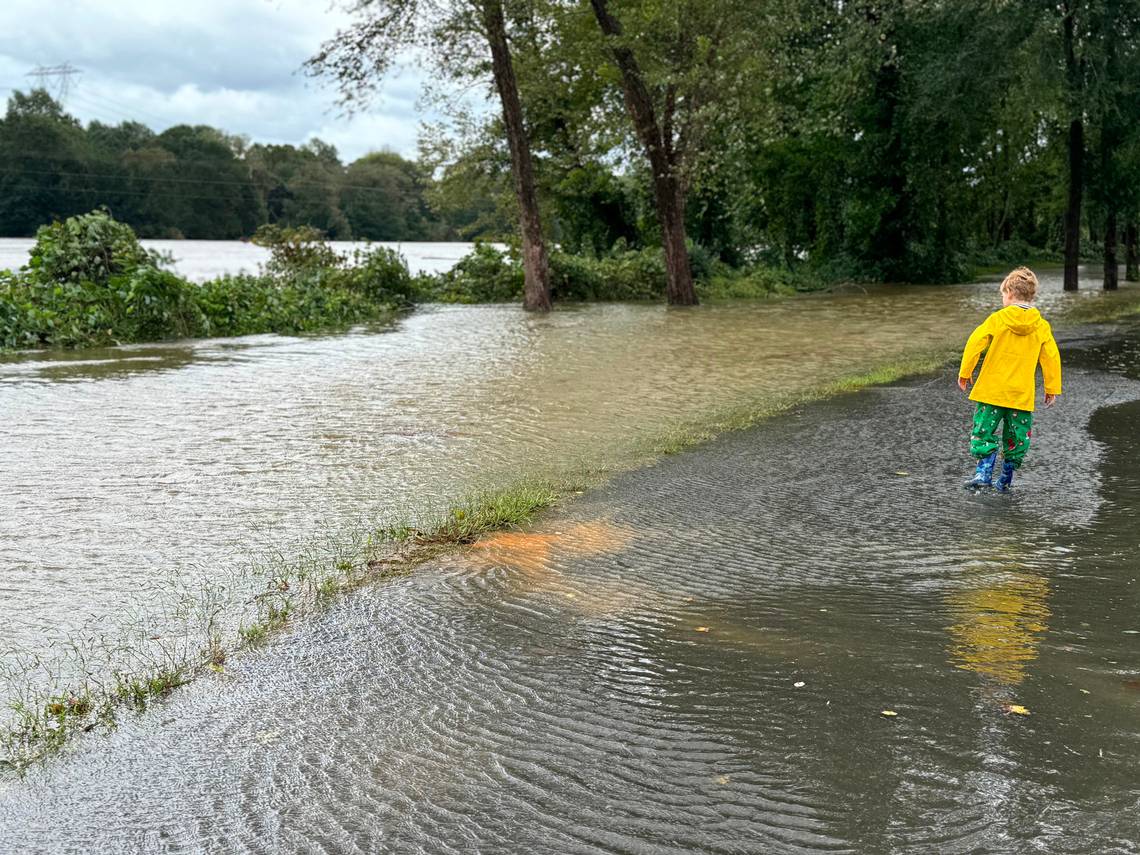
x: 55, y: 78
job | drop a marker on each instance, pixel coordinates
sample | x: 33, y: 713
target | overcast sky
x: 233, y: 64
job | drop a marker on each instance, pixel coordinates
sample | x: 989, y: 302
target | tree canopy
x: 195, y: 181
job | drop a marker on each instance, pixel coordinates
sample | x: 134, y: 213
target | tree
x: 653, y: 108
x: 383, y: 197
x: 461, y: 35
x: 42, y: 164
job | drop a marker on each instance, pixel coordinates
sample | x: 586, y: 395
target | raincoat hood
x: 1020, y: 321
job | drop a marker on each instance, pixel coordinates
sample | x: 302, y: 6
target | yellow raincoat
x: 1018, y: 340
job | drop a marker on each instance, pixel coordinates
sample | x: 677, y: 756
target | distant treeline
x: 200, y: 182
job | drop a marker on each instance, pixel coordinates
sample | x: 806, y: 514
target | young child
x: 1018, y: 339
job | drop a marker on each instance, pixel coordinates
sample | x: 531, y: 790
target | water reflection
x: 999, y: 619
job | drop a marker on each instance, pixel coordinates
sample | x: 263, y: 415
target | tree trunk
x: 1111, y: 269
x: 1131, y: 253
x: 536, y: 262
x: 1108, y: 143
x: 1076, y: 154
x: 668, y: 192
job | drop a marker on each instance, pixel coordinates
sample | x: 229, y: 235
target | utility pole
x: 57, y: 76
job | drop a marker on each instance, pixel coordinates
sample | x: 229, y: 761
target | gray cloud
x: 234, y: 64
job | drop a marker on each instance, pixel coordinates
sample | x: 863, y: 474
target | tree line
x: 199, y: 182
x: 896, y: 140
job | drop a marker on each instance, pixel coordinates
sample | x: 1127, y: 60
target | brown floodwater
x: 137, y: 482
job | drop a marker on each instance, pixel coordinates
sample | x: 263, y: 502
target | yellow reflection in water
x: 998, y: 622
x: 531, y: 552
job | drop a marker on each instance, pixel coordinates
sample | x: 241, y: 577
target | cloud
x: 233, y: 64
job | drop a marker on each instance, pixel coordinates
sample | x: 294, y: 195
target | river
x: 199, y: 260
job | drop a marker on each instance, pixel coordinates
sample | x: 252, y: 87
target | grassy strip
x: 1110, y: 306
x: 685, y: 436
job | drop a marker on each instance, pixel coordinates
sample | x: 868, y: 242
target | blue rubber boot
x: 984, y: 474
x: 1005, y: 479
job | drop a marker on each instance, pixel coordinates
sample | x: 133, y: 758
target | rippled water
x: 132, y: 472
x: 696, y: 658
x: 199, y: 260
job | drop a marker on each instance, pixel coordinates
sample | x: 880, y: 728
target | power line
x: 121, y: 176
x: 124, y: 111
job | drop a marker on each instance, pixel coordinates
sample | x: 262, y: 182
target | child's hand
x: 963, y: 383
x: 1050, y: 400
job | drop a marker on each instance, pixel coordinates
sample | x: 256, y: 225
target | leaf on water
x: 702, y: 629
x: 889, y: 713
x: 902, y: 474
x: 217, y: 669
x: 723, y: 779
x: 1085, y: 692
x: 1016, y: 709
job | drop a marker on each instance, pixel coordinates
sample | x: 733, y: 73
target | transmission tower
x: 55, y: 78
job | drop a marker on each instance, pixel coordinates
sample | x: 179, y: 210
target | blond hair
x: 1020, y: 283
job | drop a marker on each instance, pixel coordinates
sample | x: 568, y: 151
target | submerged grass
x: 41, y: 722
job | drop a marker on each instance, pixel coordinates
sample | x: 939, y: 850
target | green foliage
x: 293, y: 249
x: 88, y: 248
x: 486, y: 275
x: 89, y: 283
x: 623, y: 274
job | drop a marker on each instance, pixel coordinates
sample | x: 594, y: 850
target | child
x: 1018, y: 339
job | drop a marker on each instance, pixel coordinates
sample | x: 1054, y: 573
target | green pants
x: 1016, y: 429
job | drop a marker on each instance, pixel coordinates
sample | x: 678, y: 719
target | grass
x: 1110, y: 306
x: 685, y: 436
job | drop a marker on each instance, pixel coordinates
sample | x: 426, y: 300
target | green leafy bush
x: 88, y: 248
x: 380, y: 275
x: 295, y: 249
x: 485, y: 275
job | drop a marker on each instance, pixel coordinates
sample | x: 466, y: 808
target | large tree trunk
x: 668, y: 192
x: 1076, y: 153
x: 1111, y: 268
x: 1131, y: 253
x: 536, y: 262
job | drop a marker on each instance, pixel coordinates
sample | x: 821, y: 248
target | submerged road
x: 696, y: 657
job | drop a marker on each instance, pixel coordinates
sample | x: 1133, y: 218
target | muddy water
x: 133, y: 472
x: 696, y: 658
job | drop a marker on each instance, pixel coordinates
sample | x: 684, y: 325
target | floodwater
x: 199, y: 260
x: 805, y: 637
x: 139, y: 483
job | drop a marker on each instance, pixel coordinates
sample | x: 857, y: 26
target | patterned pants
x: 1016, y: 429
